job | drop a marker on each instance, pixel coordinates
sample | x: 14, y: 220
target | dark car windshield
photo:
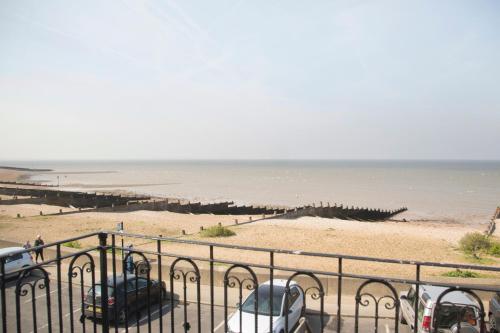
x: 263, y: 306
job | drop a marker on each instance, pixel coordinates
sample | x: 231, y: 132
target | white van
x: 17, y: 261
x: 451, y: 304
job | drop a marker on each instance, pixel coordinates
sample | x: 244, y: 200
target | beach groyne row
x: 344, y: 212
x: 492, y: 225
x: 119, y: 203
x: 66, y: 198
x: 176, y: 206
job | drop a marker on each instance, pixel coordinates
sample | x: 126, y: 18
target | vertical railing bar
x: 198, y: 291
x: 339, y: 295
x: 125, y: 294
x: 70, y: 296
x: 184, y: 289
x: 212, y: 323
x: 172, y: 316
x: 148, y: 296
x: 104, y: 281
x: 417, y: 290
x: 271, y: 287
x: 113, y: 264
x: 137, y: 310
x: 18, y: 311
x: 47, y: 294
x: 59, y: 288
x: 158, y: 249
x: 93, y: 298
x: 2, y: 295
x: 82, y: 295
x: 33, y: 304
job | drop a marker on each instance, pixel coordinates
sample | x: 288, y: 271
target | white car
x: 17, y: 261
x: 247, y: 309
x: 451, y: 304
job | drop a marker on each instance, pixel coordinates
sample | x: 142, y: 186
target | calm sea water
x: 463, y: 190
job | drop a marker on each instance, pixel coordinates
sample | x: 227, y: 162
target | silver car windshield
x: 263, y: 306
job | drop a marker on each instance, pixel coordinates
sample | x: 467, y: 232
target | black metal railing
x: 109, y: 287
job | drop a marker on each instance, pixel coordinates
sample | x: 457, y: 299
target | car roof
x: 279, y: 282
x: 7, y: 250
x: 433, y: 292
x: 121, y: 279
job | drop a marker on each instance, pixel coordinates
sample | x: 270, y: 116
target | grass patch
x: 73, y: 244
x: 462, y: 274
x: 217, y: 231
x: 494, y: 249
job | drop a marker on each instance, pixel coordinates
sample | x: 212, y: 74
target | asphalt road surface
x: 29, y: 325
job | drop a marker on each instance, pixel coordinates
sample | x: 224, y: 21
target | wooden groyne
x: 69, y: 198
x: 492, y: 225
x: 344, y: 212
x: 176, y: 206
x: 119, y: 203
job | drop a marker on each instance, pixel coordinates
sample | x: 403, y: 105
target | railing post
x: 2, y: 296
x: 339, y: 296
x: 271, y: 286
x: 417, y: 290
x: 104, y: 281
x: 59, y: 288
x: 212, y: 323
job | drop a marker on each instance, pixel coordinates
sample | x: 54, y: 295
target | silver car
x: 453, y: 305
x: 15, y: 261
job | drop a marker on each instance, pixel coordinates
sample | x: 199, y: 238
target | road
x: 86, y: 325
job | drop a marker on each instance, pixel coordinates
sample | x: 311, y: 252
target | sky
x: 147, y: 79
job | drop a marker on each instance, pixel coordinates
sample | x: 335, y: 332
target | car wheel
x: 493, y: 324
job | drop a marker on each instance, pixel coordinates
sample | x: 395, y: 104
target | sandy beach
x: 414, y: 240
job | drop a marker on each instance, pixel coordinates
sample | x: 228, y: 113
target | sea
x: 466, y: 191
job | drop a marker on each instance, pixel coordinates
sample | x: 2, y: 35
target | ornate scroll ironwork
x: 79, y: 271
x: 231, y: 281
x: 364, y: 299
x: 28, y: 282
x: 463, y: 313
x: 192, y: 275
x: 316, y: 292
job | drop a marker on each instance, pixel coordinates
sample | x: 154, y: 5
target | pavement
x: 39, y: 323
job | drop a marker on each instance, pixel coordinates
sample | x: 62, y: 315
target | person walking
x: 39, y: 252
x: 130, y: 260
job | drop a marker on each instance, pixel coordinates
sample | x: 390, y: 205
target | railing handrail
x: 309, y: 254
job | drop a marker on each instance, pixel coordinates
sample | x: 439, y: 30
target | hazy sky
x: 249, y: 79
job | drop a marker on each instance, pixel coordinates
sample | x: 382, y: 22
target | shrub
x: 495, y: 249
x: 217, y: 231
x: 462, y: 274
x: 73, y: 244
x: 475, y: 243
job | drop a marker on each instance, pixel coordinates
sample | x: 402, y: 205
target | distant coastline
x: 24, y: 169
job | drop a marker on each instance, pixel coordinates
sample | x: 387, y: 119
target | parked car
x: 116, y: 297
x: 247, y: 309
x: 450, y: 306
x: 17, y: 261
x: 494, y: 314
